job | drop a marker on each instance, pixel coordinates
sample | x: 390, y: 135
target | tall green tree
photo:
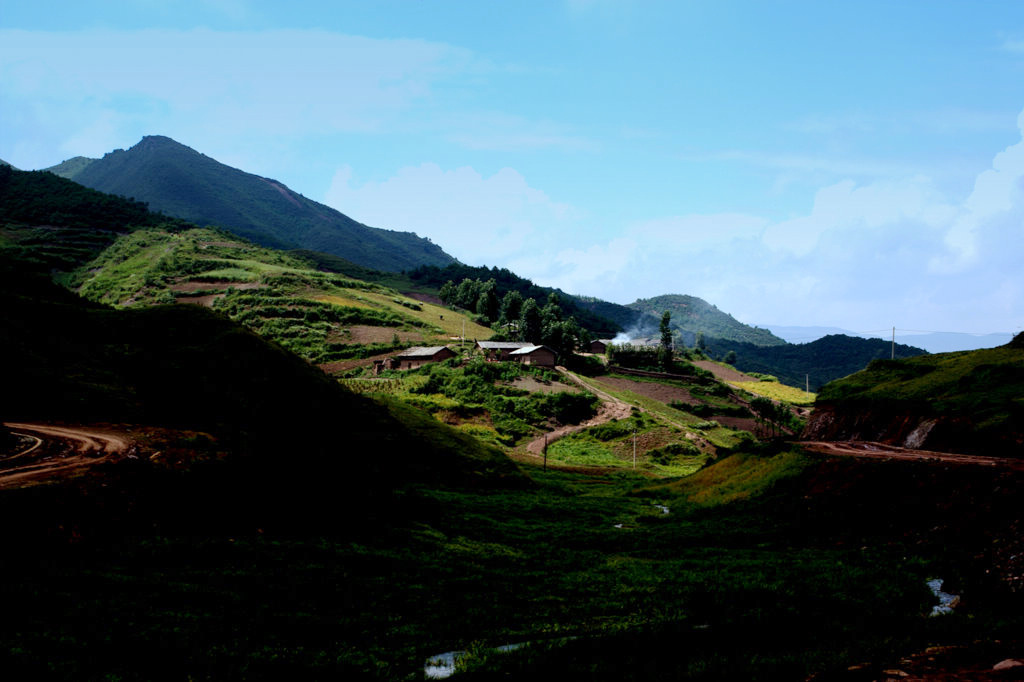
x: 487, y: 302
x: 467, y: 293
x: 447, y: 292
x: 665, y: 351
x: 530, y: 322
x: 511, y: 308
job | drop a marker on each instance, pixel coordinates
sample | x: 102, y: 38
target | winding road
x: 58, y: 451
x: 885, y: 452
x: 611, y: 408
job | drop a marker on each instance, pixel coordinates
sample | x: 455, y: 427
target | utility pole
x: 634, y: 447
x: 463, y: 333
x: 893, y: 343
x: 807, y: 378
x: 545, y: 452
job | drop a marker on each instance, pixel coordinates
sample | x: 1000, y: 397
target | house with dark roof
x: 496, y: 351
x: 540, y: 356
x: 600, y: 346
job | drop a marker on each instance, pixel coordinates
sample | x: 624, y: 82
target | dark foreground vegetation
x: 757, y: 573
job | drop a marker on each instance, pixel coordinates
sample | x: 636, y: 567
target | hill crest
x: 177, y: 180
x: 693, y: 315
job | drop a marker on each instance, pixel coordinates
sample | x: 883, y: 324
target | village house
x: 500, y: 351
x: 540, y: 356
x: 414, y: 357
x: 600, y: 346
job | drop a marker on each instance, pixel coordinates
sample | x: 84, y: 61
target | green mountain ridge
x: 179, y: 181
x: 692, y: 316
x: 815, y: 363
x: 69, y: 168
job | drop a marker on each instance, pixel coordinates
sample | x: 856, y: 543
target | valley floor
x: 610, y: 575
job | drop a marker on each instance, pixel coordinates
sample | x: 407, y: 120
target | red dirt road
x: 883, y: 451
x: 59, y: 451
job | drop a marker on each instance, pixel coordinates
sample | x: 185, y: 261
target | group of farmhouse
x: 494, y: 351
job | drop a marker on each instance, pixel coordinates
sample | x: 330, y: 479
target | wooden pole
x: 545, y: 452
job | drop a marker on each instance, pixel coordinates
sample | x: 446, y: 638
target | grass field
x: 776, y: 391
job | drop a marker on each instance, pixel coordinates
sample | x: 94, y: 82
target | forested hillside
x: 818, y: 362
x: 600, y: 323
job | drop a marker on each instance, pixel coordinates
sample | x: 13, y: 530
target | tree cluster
x: 601, y: 317
x: 773, y: 418
x: 516, y: 318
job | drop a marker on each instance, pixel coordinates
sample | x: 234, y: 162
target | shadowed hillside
x: 969, y: 401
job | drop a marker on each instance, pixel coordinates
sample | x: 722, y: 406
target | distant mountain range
x: 181, y: 182
x: 933, y: 342
x: 816, y: 363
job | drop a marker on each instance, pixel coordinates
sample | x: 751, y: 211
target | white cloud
x: 890, y: 252
x: 475, y: 218
x: 202, y: 84
x: 846, y: 206
x: 996, y: 199
x: 863, y: 256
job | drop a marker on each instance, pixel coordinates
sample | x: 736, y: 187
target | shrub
x: 668, y: 453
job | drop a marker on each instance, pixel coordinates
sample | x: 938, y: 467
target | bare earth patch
x: 649, y: 389
x: 423, y: 298
x: 738, y: 423
x: 205, y: 301
x: 534, y: 386
x: 186, y: 287
x: 339, y: 366
x: 724, y: 373
x: 364, y: 334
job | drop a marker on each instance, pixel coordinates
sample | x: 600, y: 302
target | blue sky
x: 857, y: 165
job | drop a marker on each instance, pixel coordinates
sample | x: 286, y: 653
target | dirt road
x: 871, y: 450
x: 611, y: 408
x: 59, y: 451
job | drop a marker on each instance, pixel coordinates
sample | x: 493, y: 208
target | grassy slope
x: 141, y: 267
x: 776, y: 391
x: 978, y: 391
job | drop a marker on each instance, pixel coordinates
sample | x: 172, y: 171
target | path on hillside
x: 883, y: 451
x: 611, y: 408
x: 58, y: 451
x: 607, y: 396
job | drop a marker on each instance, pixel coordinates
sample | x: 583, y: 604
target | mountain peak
x: 160, y: 143
x: 179, y: 181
